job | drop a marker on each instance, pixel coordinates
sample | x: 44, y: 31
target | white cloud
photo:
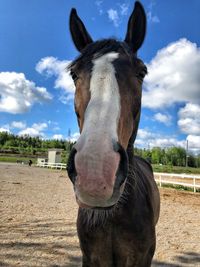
x: 116, y: 14
x: 152, y: 18
x: 124, y: 8
x: 31, y: 132
x: 40, y: 126
x: 163, y: 118
x: 139, y: 143
x: 54, y: 125
x: 58, y: 136
x: 194, y: 142
x: 166, y: 142
x: 174, y: 76
x: 18, y: 124
x: 98, y: 3
x: 56, y: 128
x: 5, y: 128
x: 17, y: 94
x: 66, y: 98
x: 147, y: 138
x: 35, y: 130
x: 51, y: 66
x: 74, y: 137
x: 113, y: 16
x: 189, y: 119
x: 144, y: 134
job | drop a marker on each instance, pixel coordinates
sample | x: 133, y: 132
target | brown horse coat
x: 116, y: 191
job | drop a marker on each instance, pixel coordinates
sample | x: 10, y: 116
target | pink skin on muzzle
x: 96, y: 165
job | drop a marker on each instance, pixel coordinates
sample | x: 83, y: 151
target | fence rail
x: 52, y: 165
x: 186, y: 180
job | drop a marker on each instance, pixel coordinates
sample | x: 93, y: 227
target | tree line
x: 22, y: 144
x: 175, y: 156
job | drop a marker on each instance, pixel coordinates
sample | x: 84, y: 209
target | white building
x: 54, y: 155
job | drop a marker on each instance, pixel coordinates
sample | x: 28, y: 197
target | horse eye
x: 74, y: 76
x: 142, y: 74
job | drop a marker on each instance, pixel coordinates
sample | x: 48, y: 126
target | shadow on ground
x: 39, y: 243
x: 182, y: 260
x: 55, y: 244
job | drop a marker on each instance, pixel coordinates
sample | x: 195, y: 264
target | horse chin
x: 88, y: 203
x: 92, y: 207
x: 83, y: 205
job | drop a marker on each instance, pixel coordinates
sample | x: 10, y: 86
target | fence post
x: 194, y: 183
x: 160, y: 181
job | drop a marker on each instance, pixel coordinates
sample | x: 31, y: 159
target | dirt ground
x: 38, y: 214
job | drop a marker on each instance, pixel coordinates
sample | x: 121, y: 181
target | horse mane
x: 144, y: 161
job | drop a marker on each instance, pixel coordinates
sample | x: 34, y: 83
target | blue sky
x: 36, y: 94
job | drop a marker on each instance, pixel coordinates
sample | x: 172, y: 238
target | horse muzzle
x: 98, y: 181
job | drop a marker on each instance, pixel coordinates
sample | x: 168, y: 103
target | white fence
x: 52, y: 165
x: 186, y: 180
x: 192, y: 181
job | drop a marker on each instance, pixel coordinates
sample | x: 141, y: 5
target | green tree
x: 157, y: 154
x: 176, y: 156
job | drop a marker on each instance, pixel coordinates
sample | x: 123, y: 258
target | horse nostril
x: 123, y: 165
x: 71, y: 165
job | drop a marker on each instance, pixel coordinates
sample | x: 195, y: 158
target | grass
x: 15, y: 159
x: 175, y: 169
x: 156, y: 167
x: 180, y: 187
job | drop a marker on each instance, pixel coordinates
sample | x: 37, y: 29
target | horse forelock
x: 99, y: 48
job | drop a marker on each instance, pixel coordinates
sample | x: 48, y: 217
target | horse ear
x: 136, y: 27
x: 80, y: 36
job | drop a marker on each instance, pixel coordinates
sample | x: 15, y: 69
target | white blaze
x: 102, y: 113
x: 96, y: 161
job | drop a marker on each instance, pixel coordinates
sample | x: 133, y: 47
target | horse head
x: 108, y: 78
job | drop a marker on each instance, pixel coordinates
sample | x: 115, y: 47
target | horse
x: 115, y: 190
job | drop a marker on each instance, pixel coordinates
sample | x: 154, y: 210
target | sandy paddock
x: 38, y: 214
